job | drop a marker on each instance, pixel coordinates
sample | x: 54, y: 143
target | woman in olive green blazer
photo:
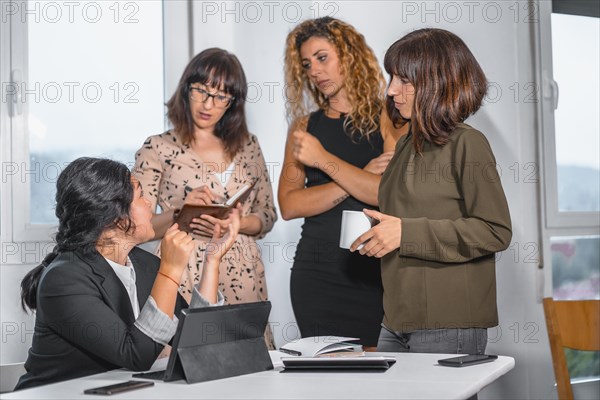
x: 443, y: 214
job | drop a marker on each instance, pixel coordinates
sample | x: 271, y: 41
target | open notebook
x: 319, y: 345
x: 221, y: 211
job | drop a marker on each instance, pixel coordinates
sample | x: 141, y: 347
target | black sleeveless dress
x: 334, y: 291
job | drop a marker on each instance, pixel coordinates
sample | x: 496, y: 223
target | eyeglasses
x: 200, y: 95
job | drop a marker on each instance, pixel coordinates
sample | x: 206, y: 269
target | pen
x: 291, y: 352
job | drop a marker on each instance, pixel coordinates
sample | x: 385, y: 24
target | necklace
x: 342, y: 114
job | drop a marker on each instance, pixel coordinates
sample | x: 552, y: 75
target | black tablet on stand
x: 218, y: 342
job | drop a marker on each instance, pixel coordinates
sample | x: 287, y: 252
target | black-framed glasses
x: 200, y: 95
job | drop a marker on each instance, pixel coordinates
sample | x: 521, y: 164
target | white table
x: 414, y: 376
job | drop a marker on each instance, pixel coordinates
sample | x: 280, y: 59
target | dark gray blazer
x: 84, y: 321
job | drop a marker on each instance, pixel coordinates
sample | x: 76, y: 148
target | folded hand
x: 378, y: 165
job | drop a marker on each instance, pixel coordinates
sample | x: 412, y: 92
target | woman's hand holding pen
x: 200, y: 196
x: 381, y: 239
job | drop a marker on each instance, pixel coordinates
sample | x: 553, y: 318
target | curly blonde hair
x: 363, y: 78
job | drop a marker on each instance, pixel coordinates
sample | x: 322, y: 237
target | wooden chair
x: 572, y: 324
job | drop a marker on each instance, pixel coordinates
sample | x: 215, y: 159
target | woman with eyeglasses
x: 206, y: 158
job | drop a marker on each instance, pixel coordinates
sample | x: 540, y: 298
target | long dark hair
x: 92, y: 196
x: 449, y: 83
x: 213, y: 67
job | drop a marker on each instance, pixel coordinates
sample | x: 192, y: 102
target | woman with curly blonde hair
x: 334, y: 159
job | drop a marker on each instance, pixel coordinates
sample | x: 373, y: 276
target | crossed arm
x: 302, y: 149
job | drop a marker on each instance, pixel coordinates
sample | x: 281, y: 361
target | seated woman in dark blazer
x: 101, y: 303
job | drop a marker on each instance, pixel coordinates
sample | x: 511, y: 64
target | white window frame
x: 15, y: 225
x: 550, y: 99
x: 554, y: 223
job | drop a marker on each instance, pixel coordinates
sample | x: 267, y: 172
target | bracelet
x: 169, y: 277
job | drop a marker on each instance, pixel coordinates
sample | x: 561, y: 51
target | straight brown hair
x: 449, y: 83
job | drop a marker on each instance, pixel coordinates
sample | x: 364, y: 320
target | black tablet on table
x: 217, y: 342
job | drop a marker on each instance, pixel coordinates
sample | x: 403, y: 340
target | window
x: 575, y: 268
x: 568, y: 60
x: 86, y: 79
x: 570, y: 148
x: 575, y: 62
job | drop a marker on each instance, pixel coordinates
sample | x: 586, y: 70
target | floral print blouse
x: 168, y: 170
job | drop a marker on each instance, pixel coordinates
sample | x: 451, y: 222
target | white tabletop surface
x: 414, y: 376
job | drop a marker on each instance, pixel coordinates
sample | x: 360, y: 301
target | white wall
x: 17, y: 327
x: 256, y: 31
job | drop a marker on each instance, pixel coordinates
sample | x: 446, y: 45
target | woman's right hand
x: 200, y: 196
x: 378, y: 165
x: 175, y: 248
x: 308, y: 150
x: 383, y: 238
x: 223, y: 238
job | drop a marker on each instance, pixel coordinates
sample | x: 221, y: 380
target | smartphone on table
x: 464, y: 361
x: 119, y: 387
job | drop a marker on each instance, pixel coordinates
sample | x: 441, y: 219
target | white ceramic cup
x: 354, y: 224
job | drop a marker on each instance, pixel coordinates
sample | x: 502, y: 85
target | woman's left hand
x: 205, y: 225
x: 223, y: 238
x: 378, y: 165
x: 308, y: 150
x: 381, y: 239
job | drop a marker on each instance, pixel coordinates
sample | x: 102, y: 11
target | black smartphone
x: 119, y: 387
x: 464, y: 361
